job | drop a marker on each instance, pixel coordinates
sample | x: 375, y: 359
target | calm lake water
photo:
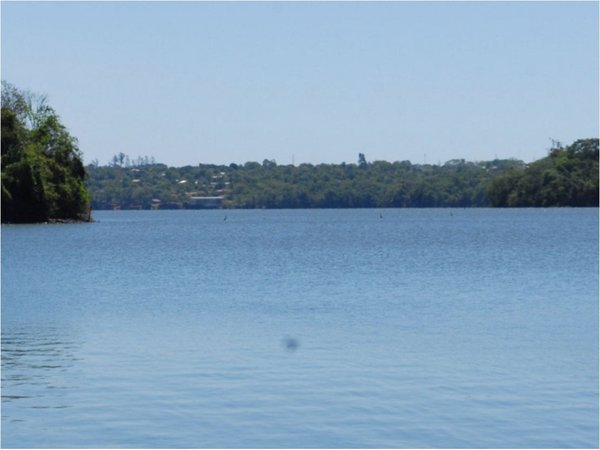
x: 315, y: 328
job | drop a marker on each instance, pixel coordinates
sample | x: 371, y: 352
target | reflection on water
x: 35, y: 362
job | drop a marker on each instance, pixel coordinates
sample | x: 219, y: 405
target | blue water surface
x: 302, y: 328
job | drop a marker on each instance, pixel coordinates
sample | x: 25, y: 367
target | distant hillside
x: 567, y: 177
x: 142, y: 185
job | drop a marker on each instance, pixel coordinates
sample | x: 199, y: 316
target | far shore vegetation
x: 44, y: 179
x: 568, y: 176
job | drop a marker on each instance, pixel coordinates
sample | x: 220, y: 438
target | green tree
x: 43, y: 177
x: 362, y: 161
x: 568, y: 176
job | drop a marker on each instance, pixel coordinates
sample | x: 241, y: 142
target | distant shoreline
x: 568, y: 176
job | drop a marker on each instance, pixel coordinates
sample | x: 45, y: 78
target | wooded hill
x: 568, y: 176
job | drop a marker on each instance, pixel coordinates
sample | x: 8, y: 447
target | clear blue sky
x: 234, y: 82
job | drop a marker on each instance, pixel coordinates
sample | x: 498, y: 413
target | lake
x: 302, y: 328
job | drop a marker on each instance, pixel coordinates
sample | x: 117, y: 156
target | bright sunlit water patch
x: 320, y: 328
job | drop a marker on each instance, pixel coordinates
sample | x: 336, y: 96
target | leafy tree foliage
x: 568, y: 176
x: 43, y: 177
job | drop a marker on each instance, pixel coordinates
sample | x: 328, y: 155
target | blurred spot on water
x: 290, y: 344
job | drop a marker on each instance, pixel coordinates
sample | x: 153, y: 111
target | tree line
x: 568, y: 176
x: 43, y: 176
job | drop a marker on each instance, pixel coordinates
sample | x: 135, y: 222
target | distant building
x: 208, y: 202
